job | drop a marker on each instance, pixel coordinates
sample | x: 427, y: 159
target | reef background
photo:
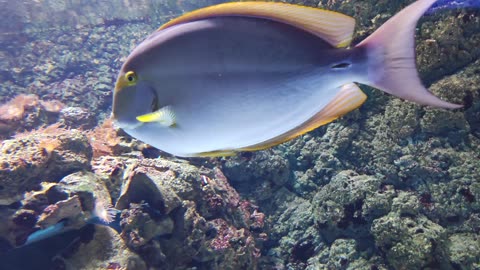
x: 392, y: 185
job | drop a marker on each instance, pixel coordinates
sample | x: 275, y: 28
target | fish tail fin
x: 391, y: 58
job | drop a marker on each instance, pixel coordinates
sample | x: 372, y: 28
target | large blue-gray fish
x: 246, y: 76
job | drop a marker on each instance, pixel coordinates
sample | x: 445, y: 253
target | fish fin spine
x: 215, y: 153
x: 333, y: 27
x: 391, y: 58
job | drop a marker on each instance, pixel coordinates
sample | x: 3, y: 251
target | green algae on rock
x: 106, y: 250
x: 463, y: 250
x: 409, y: 242
x: 215, y: 222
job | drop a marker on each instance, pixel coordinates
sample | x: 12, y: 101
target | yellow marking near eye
x: 131, y: 78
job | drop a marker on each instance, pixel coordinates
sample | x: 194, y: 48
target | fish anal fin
x: 216, y: 153
x: 333, y: 27
x: 349, y: 98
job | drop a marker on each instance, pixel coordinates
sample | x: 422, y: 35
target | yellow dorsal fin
x: 333, y: 27
x: 348, y: 99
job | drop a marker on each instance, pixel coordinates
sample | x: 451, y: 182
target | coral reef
x: 76, y: 117
x: 105, y: 250
x: 173, y: 214
x: 212, y: 222
x: 45, y: 155
x: 409, y: 243
x: 26, y: 112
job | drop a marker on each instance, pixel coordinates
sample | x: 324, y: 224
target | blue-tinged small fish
x: 46, y: 233
x: 246, y: 76
x: 103, y: 214
x: 453, y: 4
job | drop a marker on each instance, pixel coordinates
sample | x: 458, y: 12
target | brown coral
x: 14, y: 109
x: 47, y: 144
x: 103, y: 139
x: 26, y: 112
x: 46, y: 154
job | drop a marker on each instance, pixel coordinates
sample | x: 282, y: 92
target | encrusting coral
x: 27, y: 112
x: 104, y: 139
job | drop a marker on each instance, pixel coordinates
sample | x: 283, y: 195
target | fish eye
x: 131, y: 77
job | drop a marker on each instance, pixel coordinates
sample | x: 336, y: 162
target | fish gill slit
x: 341, y: 66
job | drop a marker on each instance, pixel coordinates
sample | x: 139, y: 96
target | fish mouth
x: 133, y: 101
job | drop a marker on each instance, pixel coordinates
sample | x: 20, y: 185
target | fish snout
x: 129, y: 103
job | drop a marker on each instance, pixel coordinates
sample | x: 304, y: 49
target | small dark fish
x: 453, y: 4
x: 246, y: 76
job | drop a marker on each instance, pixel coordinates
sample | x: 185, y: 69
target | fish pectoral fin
x: 165, y: 116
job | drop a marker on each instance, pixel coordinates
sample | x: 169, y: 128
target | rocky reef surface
x: 392, y: 185
x: 168, y: 214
